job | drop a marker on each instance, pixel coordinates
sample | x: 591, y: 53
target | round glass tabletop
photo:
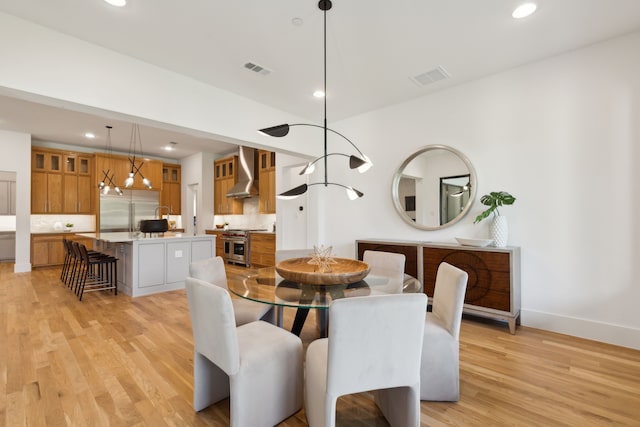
x: 266, y: 286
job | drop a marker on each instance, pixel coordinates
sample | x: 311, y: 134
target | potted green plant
x: 493, y: 200
x: 498, y: 229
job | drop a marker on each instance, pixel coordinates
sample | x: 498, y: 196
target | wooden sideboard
x: 412, y: 266
x: 493, y: 288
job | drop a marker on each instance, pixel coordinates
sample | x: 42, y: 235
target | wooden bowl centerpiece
x: 343, y: 271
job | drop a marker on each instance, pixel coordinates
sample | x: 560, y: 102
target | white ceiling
x: 374, y: 48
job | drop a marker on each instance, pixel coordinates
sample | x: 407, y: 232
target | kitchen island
x: 148, y: 265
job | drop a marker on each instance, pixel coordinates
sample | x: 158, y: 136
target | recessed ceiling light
x: 171, y: 146
x: 524, y: 10
x: 89, y: 135
x: 297, y: 21
x: 318, y: 94
x: 117, y: 3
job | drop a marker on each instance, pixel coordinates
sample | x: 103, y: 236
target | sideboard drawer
x: 493, y: 288
x: 489, y: 280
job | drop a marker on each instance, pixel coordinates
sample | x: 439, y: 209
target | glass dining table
x: 266, y: 286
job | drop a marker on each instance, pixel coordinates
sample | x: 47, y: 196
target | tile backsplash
x: 251, y: 219
x: 7, y: 223
x: 53, y: 223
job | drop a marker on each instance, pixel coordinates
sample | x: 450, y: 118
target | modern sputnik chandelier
x: 135, y: 142
x: 360, y: 162
x: 107, y: 176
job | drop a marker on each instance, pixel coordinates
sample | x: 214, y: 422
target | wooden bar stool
x: 97, y: 272
x: 69, y: 258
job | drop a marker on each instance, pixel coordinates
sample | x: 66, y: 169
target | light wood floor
x: 113, y: 360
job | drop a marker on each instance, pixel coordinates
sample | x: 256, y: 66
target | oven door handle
x: 234, y: 240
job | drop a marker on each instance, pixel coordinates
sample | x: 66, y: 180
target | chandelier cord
x: 326, y: 184
x: 361, y: 163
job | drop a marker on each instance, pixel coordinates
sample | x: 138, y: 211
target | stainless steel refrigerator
x: 123, y: 213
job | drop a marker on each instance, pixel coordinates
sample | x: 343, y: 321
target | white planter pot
x: 499, y: 231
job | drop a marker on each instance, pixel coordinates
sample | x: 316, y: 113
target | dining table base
x: 322, y: 320
x: 307, y: 295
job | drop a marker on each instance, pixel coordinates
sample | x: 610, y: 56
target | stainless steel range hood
x: 247, y: 183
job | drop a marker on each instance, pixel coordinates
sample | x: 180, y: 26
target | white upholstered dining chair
x: 387, y: 264
x: 439, y: 370
x: 212, y: 270
x: 257, y: 365
x: 374, y: 343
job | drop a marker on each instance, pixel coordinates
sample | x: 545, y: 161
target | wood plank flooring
x: 117, y: 361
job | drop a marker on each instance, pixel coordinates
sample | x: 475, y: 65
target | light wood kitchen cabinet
x: 267, y: 182
x: 7, y: 197
x: 150, y: 169
x: 116, y: 166
x: 262, y: 249
x: 46, y: 181
x: 77, y: 184
x: 219, y: 242
x: 46, y: 192
x: 217, y: 201
x: 47, y: 250
x: 46, y: 160
x: 225, y: 177
x: 77, y: 164
x: 61, y: 182
x: 171, y: 194
x: 120, y: 166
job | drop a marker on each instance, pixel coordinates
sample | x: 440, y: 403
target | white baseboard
x: 22, y: 267
x: 583, y: 328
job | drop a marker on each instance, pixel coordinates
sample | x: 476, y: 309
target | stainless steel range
x: 236, y: 245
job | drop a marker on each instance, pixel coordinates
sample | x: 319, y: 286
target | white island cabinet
x: 148, y: 265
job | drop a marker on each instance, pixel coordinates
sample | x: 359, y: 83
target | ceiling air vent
x: 257, y: 68
x: 431, y: 76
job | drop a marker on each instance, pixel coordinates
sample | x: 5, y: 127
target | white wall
x: 16, y: 157
x: 293, y: 216
x: 563, y: 136
x: 197, y: 177
x: 92, y: 79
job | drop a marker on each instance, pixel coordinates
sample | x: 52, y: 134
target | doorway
x: 293, y: 213
x: 192, y: 210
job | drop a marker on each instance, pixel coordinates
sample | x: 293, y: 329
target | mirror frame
x: 398, y: 175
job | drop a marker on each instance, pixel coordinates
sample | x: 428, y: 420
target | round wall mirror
x: 434, y: 187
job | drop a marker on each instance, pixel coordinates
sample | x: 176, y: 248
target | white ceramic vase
x: 499, y: 231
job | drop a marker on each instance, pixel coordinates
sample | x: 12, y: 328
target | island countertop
x: 125, y: 236
x: 147, y: 265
